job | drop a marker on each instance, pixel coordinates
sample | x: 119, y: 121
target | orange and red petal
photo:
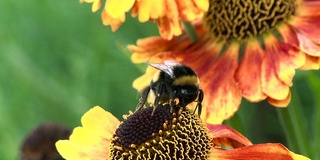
x: 242, y: 148
x: 290, y: 47
x: 148, y: 47
x: 171, y: 21
x: 92, y: 139
x: 169, y: 13
x: 265, y: 151
x: 248, y: 74
x: 268, y: 73
x: 277, y: 68
x: 310, y: 26
x: 308, y: 8
x: 308, y: 46
x: 222, y: 96
x: 223, y: 135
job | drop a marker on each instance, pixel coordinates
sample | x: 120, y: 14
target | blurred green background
x: 57, y: 61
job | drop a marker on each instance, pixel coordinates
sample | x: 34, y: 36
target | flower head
x: 40, y: 142
x: 167, y: 13
x: 246, y: 49
x: 169, y: 132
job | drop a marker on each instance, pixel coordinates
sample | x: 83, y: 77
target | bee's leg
x: 158, y: 96
x: 199, y: 104
x: 158, y: 93
x: 143, y: 98
x: 172, y: 101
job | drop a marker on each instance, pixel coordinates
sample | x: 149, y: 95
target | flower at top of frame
x: 246, y: 49
x: 168, y: 14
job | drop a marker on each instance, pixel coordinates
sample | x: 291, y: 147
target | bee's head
x: 186, y: 94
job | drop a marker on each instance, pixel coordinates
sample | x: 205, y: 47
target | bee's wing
x: 171, y: 63
x: 167, y: 67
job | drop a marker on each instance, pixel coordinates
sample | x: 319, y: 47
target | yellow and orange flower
x: 272, y: 41
x: 93, y: 141
x: 167, y: 13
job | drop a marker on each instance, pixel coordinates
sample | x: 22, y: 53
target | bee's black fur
x: 166, y: 87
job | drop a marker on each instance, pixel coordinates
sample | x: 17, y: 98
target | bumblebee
x: 172, y: 81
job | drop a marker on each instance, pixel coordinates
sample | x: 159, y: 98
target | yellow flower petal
x: 202, y: 4
x: 280, y: 103
x: 114, y: 22
x: 117, y: 8
x: 96, y: 5
x: 92, y: 139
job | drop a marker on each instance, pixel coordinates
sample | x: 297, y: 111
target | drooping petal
x: 290, y: 47
x: 148, y: 47
x: 172, y: 17
x: 276, y: 71
x: 308, y: 46
x: 268, y: 72
x: 226, y: 136
x: 310, y: 26
x: 248, y: 74
x: 222, y: 95
x: 92, y: 139
x: 312, y: 63
x: 265, y: 151
x: 280, y: 103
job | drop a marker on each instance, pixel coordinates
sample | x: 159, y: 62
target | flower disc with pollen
x: 234, y: 19
x: 166, y: 134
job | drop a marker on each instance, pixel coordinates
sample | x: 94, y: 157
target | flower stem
x: 190, y: 31
x: 294, y: 124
